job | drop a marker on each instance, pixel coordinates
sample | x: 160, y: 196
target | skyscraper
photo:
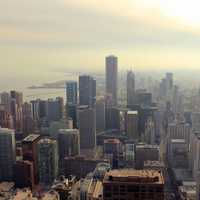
x: 71, y: 98
x: 71, y: 92
x: 100, y: 115
x: 68, y: 145
x: 130, y: 88
x: 47, y: 161
x: 112, y: 118
x: 6, y: 120
x: 16, y: 109
x: 68, y: 142
x: 29, y: 150
x: 5, y: 100
x: 55, y: 109
x: 87, y: 127
x: 87, y: 90
x: 111, y: 78
x: 132, y: 125
x: 28, y: 123
x: 169, y: 80
x: 7, y: 154
x: 24, y: 174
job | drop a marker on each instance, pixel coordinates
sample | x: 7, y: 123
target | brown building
x: 128, y: 184
x: 29, y: 150
x: 23, y: 174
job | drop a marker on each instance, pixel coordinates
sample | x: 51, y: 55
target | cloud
x: 51, y: 33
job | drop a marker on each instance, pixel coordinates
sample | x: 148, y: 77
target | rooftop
x: 47, y: 141
x: 51, y: 195
x: 6, y: 186
x: 189, y: 189
x: 6, y: 130
x: 134, y: 176
x: 183, y: 175
x: 130, y: 112
x: 24, y: 194
x: 68, y: 131
x: 178, y: 140
x: 153, y: 163
x: 31, y: 138
x: 146, y: 146
x: 114, y: 141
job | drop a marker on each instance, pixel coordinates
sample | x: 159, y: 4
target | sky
x: 40, y: 36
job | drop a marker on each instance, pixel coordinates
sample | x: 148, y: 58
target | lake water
x: 21, y: 83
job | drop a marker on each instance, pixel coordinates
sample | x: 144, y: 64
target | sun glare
x: 183, y: 10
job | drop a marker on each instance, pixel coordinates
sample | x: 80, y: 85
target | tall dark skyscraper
x: 87, y: 127
x: 29, y: 151
x: 169, y: 80
x: 112, y: 118
x: 87, y: 90
x: 55, y: 109
x: 71, y: 92
x: 7, y: 154
x: 72, y: 100
x: 130, y: 88
x: 47, y: 151
x: 111, y: 78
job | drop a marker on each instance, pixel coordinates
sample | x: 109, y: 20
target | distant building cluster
x: 136, y: 139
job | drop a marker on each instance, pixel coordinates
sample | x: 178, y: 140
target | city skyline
x: 99, y: 100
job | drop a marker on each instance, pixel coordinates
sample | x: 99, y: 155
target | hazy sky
x: 55, y: 35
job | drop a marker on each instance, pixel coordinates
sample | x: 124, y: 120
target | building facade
x: 47, y: 161
x: 7, y: 154
x: 112, y: 78
x: 133, y: 185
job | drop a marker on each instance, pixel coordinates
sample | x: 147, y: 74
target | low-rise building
x: 133, y: 184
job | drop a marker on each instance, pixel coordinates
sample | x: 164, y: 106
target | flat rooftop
x: 112, y: 141
x: 31, y: 138
x: 153, y: 163
x: 68, y: 131
x: 178, y: 141
x: 6, y: 186
x: 147, y: 146
x: 183, y: 175
x: 130, y: 112
x: 6, y: 131
x: 134, y: 176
